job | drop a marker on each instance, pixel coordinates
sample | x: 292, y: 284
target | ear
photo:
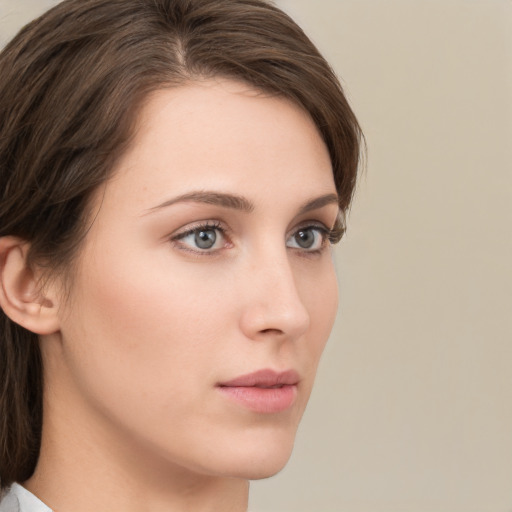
x: 20, y: 296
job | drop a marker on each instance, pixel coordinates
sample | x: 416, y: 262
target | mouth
x: 264, y: 391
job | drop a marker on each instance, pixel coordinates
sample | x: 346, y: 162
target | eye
x: 208, y: 237
x: 309, y: 238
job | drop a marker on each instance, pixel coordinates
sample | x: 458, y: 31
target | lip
x: 263, y: 391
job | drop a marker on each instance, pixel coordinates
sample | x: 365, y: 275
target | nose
x: 272, y: 302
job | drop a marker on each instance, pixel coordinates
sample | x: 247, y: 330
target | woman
x: 173, y: 173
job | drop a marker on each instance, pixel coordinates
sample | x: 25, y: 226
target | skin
x: 153, y: 323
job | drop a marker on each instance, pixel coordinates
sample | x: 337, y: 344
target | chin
x: 266, y: 470
x: 261, y: 457
x: 259, y: 468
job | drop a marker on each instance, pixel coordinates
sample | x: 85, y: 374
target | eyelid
x: 330, y: 235
x: 321, y: 230
x: 310, y: 223
x: 192, y: 228
x: 204, y: 225
x: 333, y: 234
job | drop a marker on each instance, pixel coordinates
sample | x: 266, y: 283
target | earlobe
x: 20, y: 296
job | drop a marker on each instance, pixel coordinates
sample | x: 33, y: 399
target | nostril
x: 271, y: 331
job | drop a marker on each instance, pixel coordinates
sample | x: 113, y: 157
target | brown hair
x: 71, y: 84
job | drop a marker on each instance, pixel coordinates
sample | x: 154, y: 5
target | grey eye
x: 205, y: 238
x: 310, y: 239
x: 305, y: 238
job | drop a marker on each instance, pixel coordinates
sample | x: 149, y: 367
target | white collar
x: 18, y: 499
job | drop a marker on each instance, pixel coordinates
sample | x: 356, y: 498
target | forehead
x: 221, y: 134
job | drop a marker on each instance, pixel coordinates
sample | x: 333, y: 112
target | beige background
x: 413, y: 406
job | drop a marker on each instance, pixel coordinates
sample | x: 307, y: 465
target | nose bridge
x: 274, y: 304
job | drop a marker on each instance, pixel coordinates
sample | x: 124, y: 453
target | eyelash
x: 329, y: 236
x: 207, y: 226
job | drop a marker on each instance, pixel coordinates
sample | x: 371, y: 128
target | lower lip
x: 263, y: 400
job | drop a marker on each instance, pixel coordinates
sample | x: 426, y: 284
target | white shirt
x: 18, y: 499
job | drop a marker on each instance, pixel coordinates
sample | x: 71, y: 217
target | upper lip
x: 264, y: 378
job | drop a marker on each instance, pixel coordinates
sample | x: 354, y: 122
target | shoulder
x: 18, y: 499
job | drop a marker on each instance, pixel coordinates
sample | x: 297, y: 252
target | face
x: 205, y: 289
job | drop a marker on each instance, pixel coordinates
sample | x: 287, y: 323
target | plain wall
x: 413, y: 405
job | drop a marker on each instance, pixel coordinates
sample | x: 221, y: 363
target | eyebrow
x: 319, y: 202
x: 237, y: 202
x: 216, y: 198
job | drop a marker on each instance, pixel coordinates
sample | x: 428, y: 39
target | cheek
x: 319, y: 293
x: 140, y: 327
x: 321, y: 299
x: 147, y: 339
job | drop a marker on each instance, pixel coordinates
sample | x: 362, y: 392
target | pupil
x: 206, y: 239
x: 305, y: 239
